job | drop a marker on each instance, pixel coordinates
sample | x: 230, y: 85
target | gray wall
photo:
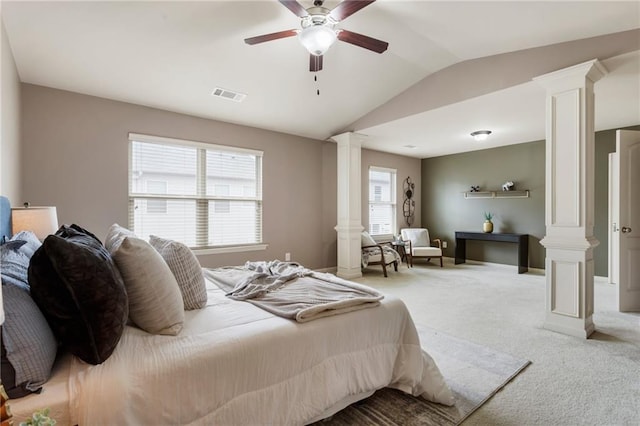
x: 445, y: 210
x: 76, y: 158
x: 75, y: 151
x: 10, y: 138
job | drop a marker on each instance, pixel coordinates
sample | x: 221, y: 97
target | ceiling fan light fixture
x: 481, y: 135
x: 317, y: 39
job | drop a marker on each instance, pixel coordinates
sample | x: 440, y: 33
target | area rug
x: 473, y: 372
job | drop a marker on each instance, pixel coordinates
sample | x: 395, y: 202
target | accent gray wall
x: 445, y: 210
x: 10, y: 138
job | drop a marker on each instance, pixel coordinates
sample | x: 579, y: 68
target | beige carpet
x: 473, y: 372
x: 570, y: 381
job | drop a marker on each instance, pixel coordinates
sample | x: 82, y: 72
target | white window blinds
x: 202, y: 195
x: 382, y: 201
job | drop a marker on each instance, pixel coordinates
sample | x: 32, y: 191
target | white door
x: 628, y: 224
x: 614, y: 205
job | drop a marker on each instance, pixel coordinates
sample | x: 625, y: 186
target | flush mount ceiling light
x: 481, y: 135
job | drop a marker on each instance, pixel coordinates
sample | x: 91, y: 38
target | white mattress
x: 234, y: 363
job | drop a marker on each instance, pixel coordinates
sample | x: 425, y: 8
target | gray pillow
x: 28, y: 343
x: 32, y: 242
x: 185, y: 268
x: 155, y: 302
x: 15, y: 264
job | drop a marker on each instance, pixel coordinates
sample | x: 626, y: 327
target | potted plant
x: 488, y: 225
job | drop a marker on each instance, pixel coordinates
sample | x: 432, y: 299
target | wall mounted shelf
x: 497, y: 194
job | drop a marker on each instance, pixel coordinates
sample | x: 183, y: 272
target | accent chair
x: 374, y: 253
x: 420, y: 245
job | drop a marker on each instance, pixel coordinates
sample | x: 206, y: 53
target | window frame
x: 200, y: 197
x: 392, y: 203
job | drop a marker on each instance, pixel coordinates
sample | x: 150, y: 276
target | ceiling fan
x: 319, y: 30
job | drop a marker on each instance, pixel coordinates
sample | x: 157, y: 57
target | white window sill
x: 230, y: 249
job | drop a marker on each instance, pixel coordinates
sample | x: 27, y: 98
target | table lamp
x: 42, y: 221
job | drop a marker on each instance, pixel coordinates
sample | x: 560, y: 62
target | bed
x: 236, y: 363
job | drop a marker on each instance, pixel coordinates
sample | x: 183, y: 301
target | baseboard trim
x: 500, y: 265
x: 331, y: 270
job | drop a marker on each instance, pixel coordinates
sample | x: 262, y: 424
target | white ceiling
x: 171, y: 55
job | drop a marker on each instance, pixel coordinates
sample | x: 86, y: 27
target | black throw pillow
x: 79, y: 290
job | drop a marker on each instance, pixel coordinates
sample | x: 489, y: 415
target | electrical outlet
x: 287, y: 257
x: 444, y: 244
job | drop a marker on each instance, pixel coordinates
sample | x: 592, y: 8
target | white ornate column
x: 569, y: 197
x: 349, y: 202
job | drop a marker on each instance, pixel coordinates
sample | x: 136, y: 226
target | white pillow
x: 419, y: 236
x: 155, y: 302
x: 367, y: 240
x: 185, y: 268
x: 115, y: 235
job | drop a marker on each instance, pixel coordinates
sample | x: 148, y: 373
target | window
x: 202, y: 195
x: 156, y: 187
x: 382, y: 201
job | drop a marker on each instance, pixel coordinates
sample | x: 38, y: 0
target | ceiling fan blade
x: 315, y: 63
x: 364, y: 41
x: 295, y: 7
x: 269, y: 37
x: 348, y: 8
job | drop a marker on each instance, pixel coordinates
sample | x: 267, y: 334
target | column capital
x: 350, y: 138
x: 592, y: 70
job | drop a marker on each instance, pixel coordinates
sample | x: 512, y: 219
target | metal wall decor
x: 409, y: 205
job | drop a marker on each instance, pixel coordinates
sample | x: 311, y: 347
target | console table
x: 522, y: 240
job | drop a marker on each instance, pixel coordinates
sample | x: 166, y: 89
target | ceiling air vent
x: 228, y: 94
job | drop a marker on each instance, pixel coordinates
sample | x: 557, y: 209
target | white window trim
x: 394, y: 203
x: 229, y: 249
x: 172, y: 141
x: 138, y: 137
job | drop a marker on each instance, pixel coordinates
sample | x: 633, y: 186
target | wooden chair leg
x: 395, y: 265
x: 441, y: 261
x: 384, y: 268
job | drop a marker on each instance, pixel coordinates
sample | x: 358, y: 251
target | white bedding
x: 234, y: 363
x: 292, y: 291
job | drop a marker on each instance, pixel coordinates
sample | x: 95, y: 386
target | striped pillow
x: 185, y: 268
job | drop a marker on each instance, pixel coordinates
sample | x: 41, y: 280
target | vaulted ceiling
x: 451, y: 67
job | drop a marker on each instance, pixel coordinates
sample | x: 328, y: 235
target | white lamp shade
x: 42, y: 221
x: 317, y: 39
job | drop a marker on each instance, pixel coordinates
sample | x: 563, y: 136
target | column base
x: 349, y: 252
x: 580, y: 330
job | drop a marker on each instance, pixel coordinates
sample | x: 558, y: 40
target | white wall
x: 10, y: 125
